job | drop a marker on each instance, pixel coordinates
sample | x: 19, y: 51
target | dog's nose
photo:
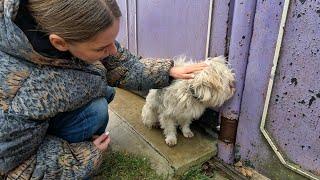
x: 232, y: 85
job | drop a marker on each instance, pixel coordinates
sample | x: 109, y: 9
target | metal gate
x: 281, y: 94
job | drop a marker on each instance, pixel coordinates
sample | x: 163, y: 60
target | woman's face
x: 97, y: 48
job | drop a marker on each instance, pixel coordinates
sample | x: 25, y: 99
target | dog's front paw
x: 171, y: 140
x: 186, y: 131
x: 188, y: 134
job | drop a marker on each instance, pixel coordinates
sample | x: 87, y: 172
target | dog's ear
x: 210, y: 79
x: 204, y: 85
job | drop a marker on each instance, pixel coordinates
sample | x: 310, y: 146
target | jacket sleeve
x: 130, y: 72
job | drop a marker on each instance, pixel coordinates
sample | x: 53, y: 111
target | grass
x: 125, y: 166
x: 122, y: 165
x: 195, y: 173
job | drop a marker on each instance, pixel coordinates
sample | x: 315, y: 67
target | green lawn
x: 121, y: 165
x: 125, y: 166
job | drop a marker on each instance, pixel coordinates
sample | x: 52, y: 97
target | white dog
x: 185, y: 100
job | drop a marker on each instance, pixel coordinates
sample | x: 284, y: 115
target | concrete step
x: 129, y: 134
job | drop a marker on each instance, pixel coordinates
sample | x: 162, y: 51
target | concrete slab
x: 114, y: 120
x: 132, y: 135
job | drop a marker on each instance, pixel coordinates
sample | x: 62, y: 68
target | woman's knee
x: 81, y: 124
x: 99, y: 109
x: 95, y: 118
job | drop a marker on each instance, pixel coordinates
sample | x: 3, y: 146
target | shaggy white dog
x: 185, y: 100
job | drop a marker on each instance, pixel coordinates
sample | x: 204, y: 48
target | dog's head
x: 215, y: 84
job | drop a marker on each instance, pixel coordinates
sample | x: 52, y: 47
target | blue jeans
x: 81, y: 124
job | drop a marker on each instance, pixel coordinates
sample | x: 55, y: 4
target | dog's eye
x: 193, y: 93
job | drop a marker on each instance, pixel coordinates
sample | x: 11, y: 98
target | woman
x: 58, y: 59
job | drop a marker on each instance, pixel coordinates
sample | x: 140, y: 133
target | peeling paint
x: 294, y: 81
x: 311, y: 91
x: 302, y: 1
x: 311, y: 100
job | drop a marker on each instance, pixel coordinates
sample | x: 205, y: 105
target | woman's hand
x: 186, y: 72
x: 102, y: 142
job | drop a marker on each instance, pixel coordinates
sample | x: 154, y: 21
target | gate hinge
x: 228, y: 130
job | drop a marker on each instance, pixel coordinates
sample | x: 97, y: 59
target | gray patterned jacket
x: 34, y: 88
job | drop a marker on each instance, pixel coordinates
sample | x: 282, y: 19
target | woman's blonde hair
x: 74, y: 20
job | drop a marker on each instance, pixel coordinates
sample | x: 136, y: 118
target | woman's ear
x: 58, y: 42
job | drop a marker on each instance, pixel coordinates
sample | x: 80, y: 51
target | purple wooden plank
x: 132, y: 26
x: 238, y: 53
x: 219, y: 27
x: 251, y: 147
x: 123, y: 33
x: 167, y: 28
x: 226, y: 152
x: 294, y: 110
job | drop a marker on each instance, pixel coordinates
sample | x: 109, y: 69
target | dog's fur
x: 185, y: 100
